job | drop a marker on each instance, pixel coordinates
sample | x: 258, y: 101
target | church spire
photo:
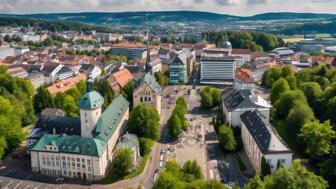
x: 148, y: 65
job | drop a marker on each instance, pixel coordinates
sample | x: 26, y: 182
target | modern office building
x: 130, y: 50
x: 217, y: 66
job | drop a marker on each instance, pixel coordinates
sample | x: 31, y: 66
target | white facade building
x: 261, y: 140
x: 238, y: 102
x: 79, y: 147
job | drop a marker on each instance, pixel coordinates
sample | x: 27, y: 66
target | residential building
x: 80, y: 147
x: 49, y: 71
x: 119, y: 79
x: 237, y: 102
x: 66, y: 84
x: 261, y: 140
x: 130, y: 50
x: 64, y: 73
x: 243, y: 79
x: 18, y: 72
x: 244, y: 54
x: 6, y: 51
x: 52, y: 112
x: 37, y: 79
x: 217, y: 66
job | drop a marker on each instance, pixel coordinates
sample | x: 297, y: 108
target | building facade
x: 131, y: 51
x: 261, y: 140
x: 79, y: 147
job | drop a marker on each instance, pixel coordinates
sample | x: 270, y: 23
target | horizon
x: 230, y: 7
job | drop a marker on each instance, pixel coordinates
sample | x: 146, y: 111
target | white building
x: 238, y: 102
x: 79, y: 147
x: 6, y: 51
x: 217, y: 66
x: 261, y: 140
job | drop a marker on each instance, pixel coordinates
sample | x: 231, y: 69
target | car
x: 59, y: 180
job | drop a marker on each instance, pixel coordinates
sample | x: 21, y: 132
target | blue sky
x: 235, y: 7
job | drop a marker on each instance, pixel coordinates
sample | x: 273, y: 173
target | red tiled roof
x: 66, y: 84
x: 241, y: 51
x: 258, y: 54
x: 244, y: 75
x: 123, y: 76
x: 15, y: 70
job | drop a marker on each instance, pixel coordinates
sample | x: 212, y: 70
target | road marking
x: 17, y: 184
x: 10, y: 182
x: 27, y: 186
x: 36, y: 187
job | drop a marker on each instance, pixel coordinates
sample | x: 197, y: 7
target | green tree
x: 312, y: 91
x: 202, y: 184
x: 161, y: 79
x: 123, y: 162
x: 226, y: 138
x: 174, y: 126
x: 279, y: 87
x: 265, y: 167
x: 42, y: 99
x: 145, y: 145
x: 144, y: 121
x: 300, y: 114
x: 206, y: 101
x: 127, y: 92
x: 317, y: 137
x: 215, y: 94
x: 296, y: 176
x: 255, y: 183
x: 70, y: 106
x: 3, y: 146
x: 192, y: 171
x: 328, y: 171
x: 167, y: 180
x: 81, y: 86
x: 105, y: 89
x: 60, y: 100
x: 286, y: 102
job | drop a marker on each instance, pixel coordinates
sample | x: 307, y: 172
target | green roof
x: 62, y: 125
x: 151, y: 81
x: 71, y: 144
x: 90, y: 100
x: 110, y: 119
x: 128, y: 141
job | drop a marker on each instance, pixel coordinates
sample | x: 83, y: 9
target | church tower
x: 148, y: 66
x: 90, y: 109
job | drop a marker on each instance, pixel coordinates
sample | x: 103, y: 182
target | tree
x: 145, y: 145
x: 174, y: 126
x: 206, y: 101
x: 226, y: 138
x: 60, y: 100
x: 3, y: 146
x: 317, y: 137
x: 105, y: 89
x: 328, y: 171
x: 312, y: 91
x: 70, y: 106
x: 299, y: 115
x: 215, y: 94
x: 279, y: 87
x: 127, y: 92
x: 81, y: 86
x: 255, y: 183
x: 265, y: 167
x: 42, y: 99
x: 192, y: 171
x: 167, y: 180
x: 297, y: 176
x: 144, y: 121
x: 286, y: 102
x: 291, y: 79
x: 271, y: 76
x: 161, y: 79
x: 202, y: 184
x: 123, y: 162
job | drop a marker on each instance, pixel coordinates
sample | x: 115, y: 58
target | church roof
x: 71, y: 144
x: 151, y: 81
x: 90, y: 100
x: 61, y: 125
x: 109, y: 120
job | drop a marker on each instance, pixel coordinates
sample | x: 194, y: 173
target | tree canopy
x: 226, y: 138
x: 144, y: 121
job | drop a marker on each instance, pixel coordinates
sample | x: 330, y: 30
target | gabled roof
x: 244, y: 75
x: 122, y: 76
x: 244, y: 99
x: 263, y: 134
x: 241, y: 51
x: 151, y: 81
x: 71, y: 144
x: 110, y: 119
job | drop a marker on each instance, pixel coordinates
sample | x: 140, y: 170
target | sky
x: 234, y: 7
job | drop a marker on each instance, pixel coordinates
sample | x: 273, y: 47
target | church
x: 81, y: 147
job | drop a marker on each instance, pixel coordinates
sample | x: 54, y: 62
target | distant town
x: 82, y: 107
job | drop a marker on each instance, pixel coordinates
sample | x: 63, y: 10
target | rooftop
x: 122, y: 76
x: 151, y: 81
x: 67, y: 84
x: 128, y: 141
x: 263, y: 133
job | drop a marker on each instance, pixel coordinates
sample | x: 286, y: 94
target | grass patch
x: 240, y: 162
x: 114, y: 177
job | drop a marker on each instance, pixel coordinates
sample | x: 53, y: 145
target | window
x: 63, y: 158
x: 88, y: 162
x: 78, y: 165
x: 78, y: 160
x: 89, y: 168
x: 149, y: 98
x: 83, y: 166
x: 283, y: 161
x: 145, y: 98
x: 83, y: 160
x: 141, y: 99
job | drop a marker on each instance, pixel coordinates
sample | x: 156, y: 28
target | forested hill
x: 135, y: 18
